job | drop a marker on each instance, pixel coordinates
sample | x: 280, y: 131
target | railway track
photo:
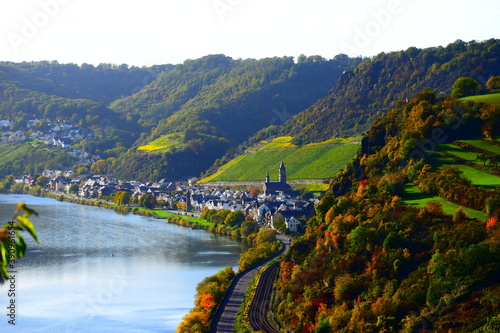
x: 225, y: 317
x: 259, y: 308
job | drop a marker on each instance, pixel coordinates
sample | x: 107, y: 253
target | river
x: 98, y: 271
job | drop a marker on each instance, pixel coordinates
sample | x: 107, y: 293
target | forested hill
x: 232, y: 99
x: 220, y: 102
x: 362, y: 95
x: 371, y: 261
x: 103, y: 83
x: 216, y: 102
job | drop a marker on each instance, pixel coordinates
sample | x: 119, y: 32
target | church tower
x: 267, y: 177
x: 282, y: 178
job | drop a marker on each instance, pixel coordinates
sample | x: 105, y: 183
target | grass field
x: 490, y: 98
x: 464, y: 154
x: 414, y: 197
x: 165, y: 215
x: 165, y: 143
x: 477, y: 177
x: 478, y: 143
x: 318, y: 162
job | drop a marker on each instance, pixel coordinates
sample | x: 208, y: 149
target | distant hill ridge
x: 223, y: 105
x: 362, y: 95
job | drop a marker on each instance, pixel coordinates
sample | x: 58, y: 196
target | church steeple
x: 267, y: 177
x: 282, y: 178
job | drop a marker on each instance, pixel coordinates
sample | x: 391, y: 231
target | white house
x: 5, y: 123
x: 292, y: 224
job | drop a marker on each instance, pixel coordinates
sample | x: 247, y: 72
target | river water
x: 98, y: 271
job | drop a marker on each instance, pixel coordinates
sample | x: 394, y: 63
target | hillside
x: 222, y: 106
x: 219, y: 103
x: 369, y: 262
x: 368, y: 92
x: 321, y: 161
x: 216, y: 102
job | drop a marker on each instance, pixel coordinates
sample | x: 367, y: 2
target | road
x: 225, y: 318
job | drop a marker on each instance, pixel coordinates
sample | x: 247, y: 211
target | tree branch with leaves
x: 12, y: 244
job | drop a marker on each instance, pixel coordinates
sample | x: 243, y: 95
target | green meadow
x: 477, y: 177
x: 489, y: 98
x: 414, y: 197
x: 478, y: 143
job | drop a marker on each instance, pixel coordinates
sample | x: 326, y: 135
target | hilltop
x: 368, y: 92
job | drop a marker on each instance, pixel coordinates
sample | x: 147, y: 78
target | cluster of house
x: 267, y: 207
x: 60, y: 134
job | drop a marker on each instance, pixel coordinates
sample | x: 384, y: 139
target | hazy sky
x: 148, y: 32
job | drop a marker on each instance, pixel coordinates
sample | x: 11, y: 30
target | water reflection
x: 95, y: 270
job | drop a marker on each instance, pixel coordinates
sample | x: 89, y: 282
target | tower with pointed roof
x: 282, y: 177
x: 280, y: 185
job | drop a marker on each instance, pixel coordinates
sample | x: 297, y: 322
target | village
x: 275, y: 201
x: 60, y: 134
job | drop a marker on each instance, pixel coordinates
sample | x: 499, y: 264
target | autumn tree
x: 254, y: 192
x: 122, y: 198
x: 73, y: 188
x: 493, y: 83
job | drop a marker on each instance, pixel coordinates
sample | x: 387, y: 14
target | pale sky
x: 148, y: 32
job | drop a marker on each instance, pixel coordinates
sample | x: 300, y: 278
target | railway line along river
x: 98, y: 271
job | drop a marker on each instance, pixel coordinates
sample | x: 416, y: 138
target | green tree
x: 8, y: 182
x: 279, y: 222
x: 358, y: 238
x: 73, y: 188
x: 248, y: 228
x: 235, y: 218
x: 42, y: 181
x: 147, y: 201
x: 492, y: 207
x: 483, y: 158
x: 466, y: 86
x: 12, y: 244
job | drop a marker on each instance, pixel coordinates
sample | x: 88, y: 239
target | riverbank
x: 180, y: 218
x: 263, y: 241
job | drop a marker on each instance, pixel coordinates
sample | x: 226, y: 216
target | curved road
x: 225, y: 317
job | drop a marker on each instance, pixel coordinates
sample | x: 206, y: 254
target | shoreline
x: 178, y: 219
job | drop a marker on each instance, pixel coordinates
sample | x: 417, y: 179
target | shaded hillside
x: 172, y: 89
x: 362, y: 95
x: 370, y: 263
x: 219, y: 102
x: 230, y: 98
